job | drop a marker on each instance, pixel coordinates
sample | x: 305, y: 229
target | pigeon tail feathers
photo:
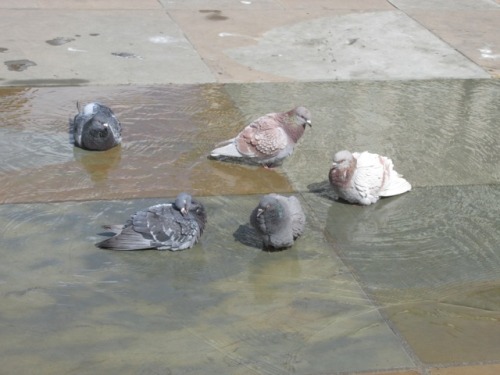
x: 395, y: 186
x: 226, y: 149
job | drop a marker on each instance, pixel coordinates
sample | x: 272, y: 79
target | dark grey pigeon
x: 267, y: 140
x: 96, y: 128
x: 171, y: 226
x: 279, y: 220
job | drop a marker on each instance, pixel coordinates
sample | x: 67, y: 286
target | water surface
x: 408, y: 283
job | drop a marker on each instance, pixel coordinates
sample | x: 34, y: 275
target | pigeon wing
x: 167, y: 228
x: 369, y: 175
x: 298, y: 219
x: 393, y: 183
x: 77, y: 128
x: 262, y: 138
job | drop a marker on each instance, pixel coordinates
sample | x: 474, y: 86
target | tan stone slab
x: 467, y: 370
x: 101, y: 47
x: 449, y: 331
x: 167, y: 135
x: 338, y: 4
x: 81, y: 4
x: 449, y: 5
x: 320, y: 45
x: 411, y: 372
x: 475, y: 33
x: 212, y: 33
x: 222, y: 4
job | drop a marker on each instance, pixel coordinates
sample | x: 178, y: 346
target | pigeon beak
x: 334, y: 165
x: 308, y: 122
x: 105, y: 124
x: 184, y: 211
x: 260, y: 211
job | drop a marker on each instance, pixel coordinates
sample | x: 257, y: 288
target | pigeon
x: 364, y: 177
x: 278, y: 220
x: 171, y: 226
x: 96, y: 128
x: 267, y: 140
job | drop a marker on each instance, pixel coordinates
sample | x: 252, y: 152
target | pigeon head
x: 342, y: 159
x: 271, y: 211
x: 302, y: 116
x: 342, y: 169
x: 183, y: 203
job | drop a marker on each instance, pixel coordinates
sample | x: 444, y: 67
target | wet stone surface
x: 410, y: 280
x: 59, y: 41
x: 19, y: 65
x: 164, y: 148
x: 223, y: 304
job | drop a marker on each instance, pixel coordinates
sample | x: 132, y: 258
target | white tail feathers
x: 396, y: 185
x: 228, y: 150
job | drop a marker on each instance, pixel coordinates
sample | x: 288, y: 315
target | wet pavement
x: 408, y: 286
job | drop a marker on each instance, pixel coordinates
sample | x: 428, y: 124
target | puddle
x: 214, y: 15
x: 213, y: 308
x: 19, y: 65
x: 421, y: 267
x: 59, y: 41
x: 126, y: 55
x: 164, y: 149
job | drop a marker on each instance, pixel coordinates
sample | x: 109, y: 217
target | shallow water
x: 409, y: 282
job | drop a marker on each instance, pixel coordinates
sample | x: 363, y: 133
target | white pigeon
x: 279, y: 221
x: 364, y: 177
x: 267, y: 140
x: 96, y: 128
x: 170, y: 226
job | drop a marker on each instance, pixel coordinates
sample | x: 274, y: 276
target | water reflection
x: 231, y: 302
x: 167, y: 134
x: 98, y: 165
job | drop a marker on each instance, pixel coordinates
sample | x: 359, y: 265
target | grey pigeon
x: 364, y: 177
x: 279, y: 221
x: 172, y: 226
x: 96, y: 128
x: 267, y: 140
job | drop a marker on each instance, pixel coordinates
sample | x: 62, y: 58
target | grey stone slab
x: 96, y: 47
x: 371, y: 45
x: 452, y: 5
x: 420, y: 242
x: 217, y: 5
x: 441, y: 132
x: 80, y: 4
x: 223, y: 307
x: 430, y: 259
x: 477, y: 39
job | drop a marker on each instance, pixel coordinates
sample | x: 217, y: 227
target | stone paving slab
x: 80, y: 4
x: 264, y: 41
x: 466, y: 370
x: 164, y: 149
x: 383, y: 300
x: 322, y: 45
x: 476, y: 40
x: 431, y: 268
x: 436, y: 132
x: 223, y: 307
x: 96, y: 47
x: 449, y: 5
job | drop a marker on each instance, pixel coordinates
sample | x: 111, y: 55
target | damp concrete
x: 195, y: 42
